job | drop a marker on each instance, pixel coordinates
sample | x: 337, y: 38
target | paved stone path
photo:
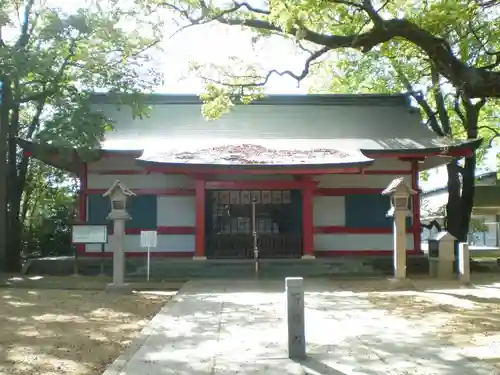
x: 236, y: 327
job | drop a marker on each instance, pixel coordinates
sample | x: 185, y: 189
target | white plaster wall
x: 142, y: 181
x: 357, y: 181
x: 166, y: 243
x: 332, y: 242
x: 329, y: 211
x: 176, y: 211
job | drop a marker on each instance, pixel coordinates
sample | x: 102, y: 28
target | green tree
x: 49, y: 61
x: 439, y: 51
x: 48, y: 209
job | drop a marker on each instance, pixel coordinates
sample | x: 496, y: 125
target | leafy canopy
x: 51, y: 59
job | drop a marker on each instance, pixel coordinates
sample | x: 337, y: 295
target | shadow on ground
x: 238, y: 327
x: 467, y: 318
x: 69, y: 332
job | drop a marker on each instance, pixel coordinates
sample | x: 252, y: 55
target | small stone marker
x: 464, y: 263
x: 295, y: 317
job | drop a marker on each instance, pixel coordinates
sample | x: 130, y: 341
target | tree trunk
x: 453, y: 207
x: 14, y: 199
x: 467, y: 198
x: 4, y: 123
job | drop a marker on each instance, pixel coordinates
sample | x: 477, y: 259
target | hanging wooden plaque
x: 287, y: 197
x: 234, y: 197
x: 245, y: 197
x: 224, y: 197
x: 276, y: 197
x: 266, y: 196
x: 256, y: 196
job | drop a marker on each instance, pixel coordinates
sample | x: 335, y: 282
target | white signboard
x: 149, y: 238
x: 89, y: 234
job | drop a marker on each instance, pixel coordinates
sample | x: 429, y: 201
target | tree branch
x: 493, y: 130
x: 25, y: 27
x: 476, y: 82
x: 440, y: 103
x: 298, y: 77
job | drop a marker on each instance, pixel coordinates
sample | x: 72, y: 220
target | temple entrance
x: 278, y: 222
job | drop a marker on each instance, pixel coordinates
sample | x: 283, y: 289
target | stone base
x: 400, y: 284
x: 119, y: 288
x: 308, y: 256
x: 199, y: 258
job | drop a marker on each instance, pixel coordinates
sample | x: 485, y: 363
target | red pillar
x: 307, y: 218
x: 199, y: 251
x: 415, y: 207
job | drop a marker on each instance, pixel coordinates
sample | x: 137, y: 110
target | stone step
x: 186, y: 268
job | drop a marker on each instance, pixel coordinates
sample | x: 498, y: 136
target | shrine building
x: 314, y: 166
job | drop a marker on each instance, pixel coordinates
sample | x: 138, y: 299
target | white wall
x: 329, y: 211
x: 357, y: 181
x: 140, y: 181
x: 176, y: 211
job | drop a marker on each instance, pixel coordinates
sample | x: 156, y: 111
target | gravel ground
x: 77, y: 332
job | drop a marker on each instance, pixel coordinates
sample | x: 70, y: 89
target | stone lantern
x: 118, y: 195
x: 400, y: 194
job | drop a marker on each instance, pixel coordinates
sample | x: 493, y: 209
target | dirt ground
x: 77, y: 332
x: 466, y: 317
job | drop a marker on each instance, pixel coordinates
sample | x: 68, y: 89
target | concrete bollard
x: 295, y: 317
x: 464, y: 263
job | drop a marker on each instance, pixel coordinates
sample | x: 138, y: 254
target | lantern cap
x: 398, y: 186
x: 118, y: 187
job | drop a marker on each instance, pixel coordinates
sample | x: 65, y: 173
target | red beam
x: 142, y: 254
x: 346, y: 230
x: 334, y: 192
x: 164, y: 230
x: 461, y: 152
x: 394, y: 172
x: 261, y: 170
x: 190, y: 230
x: 296, y: 171
x: 247, y: 185
x: 159, y: 192
x: 200, y: 218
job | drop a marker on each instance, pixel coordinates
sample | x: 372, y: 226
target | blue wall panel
x: 142, y: 208
x: 368, y: 211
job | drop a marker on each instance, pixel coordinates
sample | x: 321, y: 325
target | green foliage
x: 478, y: 225
x: 49, y: 62
x: 48, y: 211
x: 63, y: 56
